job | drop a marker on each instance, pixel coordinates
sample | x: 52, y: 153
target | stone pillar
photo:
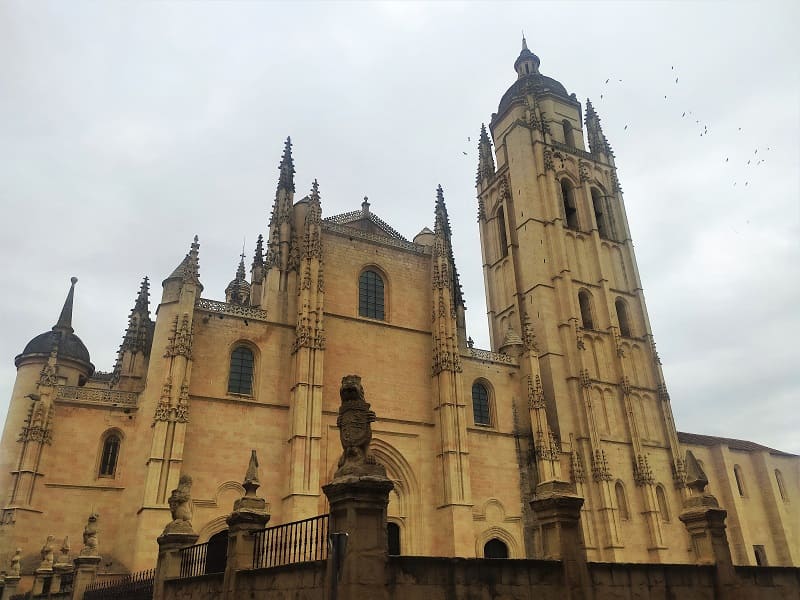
x: 10, y: 587
x: 178, y: 534
x: 557, y: 512
x: 705, y: 523
x: 358, y: 497
x: 358, y: 508
x: 85, y: 573
x: 249, y: 515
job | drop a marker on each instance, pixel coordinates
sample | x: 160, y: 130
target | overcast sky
x: 126, y: 128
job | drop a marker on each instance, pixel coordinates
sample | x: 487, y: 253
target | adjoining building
x: 570, y: 395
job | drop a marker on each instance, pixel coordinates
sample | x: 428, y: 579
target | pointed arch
x: 569, y: 133
x: 622, y: 317
x: 781, y: 485
x: 242, y: 369
x: 110, y: 446
x: 502, y: 238
x: 739, y: 477
x: 371, y: 294
x: 406, y: 491
x: 568, y: 203
x: 622, y: 501
x: 663, y: 505
x: 587, y: 312
x: 601, y: 216
x: 497, y: 533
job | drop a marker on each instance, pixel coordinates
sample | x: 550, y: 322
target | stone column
x: 705, y: 523
x: 249, y: 515
x: 178, y: 534
x: 557, y: 512
x: 85, y: 573
x: 10, y: 587
x: 358, y: 497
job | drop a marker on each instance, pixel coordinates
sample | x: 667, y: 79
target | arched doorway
x: 217, y: 553
x: 494, y: 548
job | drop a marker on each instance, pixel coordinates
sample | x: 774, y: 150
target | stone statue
x: 47, y: 553
x: 355, y: 432
x: 90, y: 536
x: 13, y: 570
x: 180, y: 505
x: 63, y: 557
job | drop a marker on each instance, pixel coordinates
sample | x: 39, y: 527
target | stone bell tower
x: 558, y: 259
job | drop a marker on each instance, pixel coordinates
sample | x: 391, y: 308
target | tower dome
x: 62, y: 338
x: 238, y: 290
x: 530, y: 80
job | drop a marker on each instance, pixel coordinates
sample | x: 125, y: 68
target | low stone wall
x: 202, y: 587
x: 426, y: 578
x: 612, y: 581
x: 769, y: 583
x: 301, y: 581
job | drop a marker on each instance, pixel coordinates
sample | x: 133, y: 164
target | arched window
x: 501, y: 232
x: 370, y: 295
x: 585, y: 303
x: 622, y: 502
x: 393, y: 536
x: 240, y: 377
x: 495, y: 548
x: 567, y: 197
x: 599, y: 214
x: 109, y: 456
x: 737, y: 473
x: 622, y: 317
x: 480, y: 404
x: 217, y: 553
x: 781, y: 485
x: 569, y: 135
x: 663, y: 507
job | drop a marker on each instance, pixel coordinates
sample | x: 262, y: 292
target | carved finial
x: 486, y: 168
x: 64, y: 322
x: 251, y: 483
x: 143, y: 298
x: 258, y: 257
x: 594, y: 131
x: 524, y: 43
x: 696, y: 479
x: 365, y: 206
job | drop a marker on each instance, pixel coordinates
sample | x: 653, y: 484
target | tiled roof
x: 357, y: 215
x: 733, y: 444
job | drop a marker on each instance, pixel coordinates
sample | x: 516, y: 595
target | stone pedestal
x: 85, y: 572
x: 61, y: 571
x: 10, y: 587
x: 169, y: 558
x: 358, y: 508
x: 705, y: 523
x: 249, y: 515
x: 42, y: 581
x: 557, y: 510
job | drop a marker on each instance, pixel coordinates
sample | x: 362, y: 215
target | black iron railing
x: 136, y: 586
x: 194, y: 560
x: 300, y: 541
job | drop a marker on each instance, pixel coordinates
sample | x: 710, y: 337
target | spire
x: 189, y: 269
x: 143, y: 299
x: 286, y: 179
x: 527, y: 62
x: 442, y: 230
x: 258, y: 257
x: 65, y: 318
x: 486, y: 168
x: 597, y: 141
x: 238, y: 290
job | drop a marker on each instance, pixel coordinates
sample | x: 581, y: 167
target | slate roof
x: 712, y: 440
x: 352, y: 217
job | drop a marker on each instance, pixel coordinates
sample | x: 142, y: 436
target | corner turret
x: 130, y: 367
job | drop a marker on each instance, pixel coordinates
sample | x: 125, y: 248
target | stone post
x: 249, y: 515
x: 705, y: 523
x: 44, y: 574
x: 62, y: 566
x: 88, y: 560
x: 10, y: 587
x: 557, y: 512
x: 85, y: 573
x: 358, y: 497
x: 178, y: 534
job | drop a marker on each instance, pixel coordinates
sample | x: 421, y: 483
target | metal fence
x: 136, y: 586
x: 300, y: 541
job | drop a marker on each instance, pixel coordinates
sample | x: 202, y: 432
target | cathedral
x: 570, y: 398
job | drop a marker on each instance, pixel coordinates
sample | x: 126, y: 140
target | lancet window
x: 240, y: 376
x: 109, y: 455
x: 481, y: 412
x: 370, y: 295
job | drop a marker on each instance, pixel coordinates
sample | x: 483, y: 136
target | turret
x: 527, y: 62
x: 238, y: 290
x: 486, y: 169
x: 187, y: 272
x: 598, y: 144
x: 61, y: 344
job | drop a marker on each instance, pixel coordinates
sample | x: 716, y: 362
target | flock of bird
x: 753, y: 161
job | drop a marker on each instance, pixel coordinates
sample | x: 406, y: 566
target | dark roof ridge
x: 732, y: 443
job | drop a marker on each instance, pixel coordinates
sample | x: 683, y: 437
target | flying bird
x: 606, y: 80
x: 601, y: 96
x: 746, y: 183
x: 756, y: 152
x: 683, y: 115
x: 748, y: 162
x: 464, y: 153
x: 625, y: 127
x: 726, y: 160
x: 468, y: 139
x: 676, y: 80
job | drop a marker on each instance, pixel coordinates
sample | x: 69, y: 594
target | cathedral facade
x: 570, y: 399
